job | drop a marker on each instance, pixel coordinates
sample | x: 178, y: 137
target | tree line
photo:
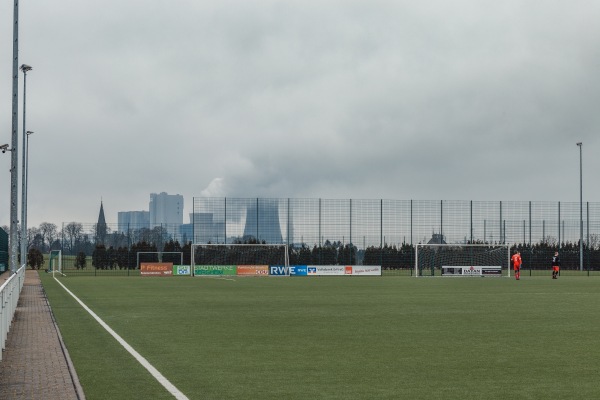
x: 119, y: 251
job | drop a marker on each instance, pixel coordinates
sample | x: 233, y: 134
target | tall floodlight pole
x: 14, y: 176
x: 580, y: 144
x: 27, y: 178
x: 25, y: 68
x: 25, y: 239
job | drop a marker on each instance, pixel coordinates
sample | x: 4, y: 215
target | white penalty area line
x: 225, y: 279
x: 153, y: 371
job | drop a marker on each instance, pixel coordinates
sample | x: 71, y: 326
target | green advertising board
x: 182, y: 270
x: 215, y: 270
x: 3, y: 250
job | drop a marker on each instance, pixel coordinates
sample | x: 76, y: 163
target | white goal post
x: 239, y: 259
x: 55, y: 262
x: 462, y: 260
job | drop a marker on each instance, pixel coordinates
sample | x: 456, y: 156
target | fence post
x: 350, y: 242
x: 471, y: 219
x: 500, y: 237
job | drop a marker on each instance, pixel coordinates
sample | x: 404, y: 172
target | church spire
x: 101, y: 219
x: 101, y: 226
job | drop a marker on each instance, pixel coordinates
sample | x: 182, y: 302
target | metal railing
x: 9, y: 298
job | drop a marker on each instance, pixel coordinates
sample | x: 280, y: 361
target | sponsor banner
x: 365, y: 270
x: 182, y: 270
x: 156, y: 269
x: 451, y: 270
x: 279, y: 270
x: 200, y: 270
x: 472, y: 270
x: 253, y: 270
x: 326, y: 270
x: 298, y: 270
x: 493, y: 271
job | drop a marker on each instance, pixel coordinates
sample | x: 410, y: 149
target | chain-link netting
x: 353, y: 231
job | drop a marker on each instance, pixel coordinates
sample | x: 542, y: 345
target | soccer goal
x: 462, y: 260
x: 240, y: 259
x: 55, y: 262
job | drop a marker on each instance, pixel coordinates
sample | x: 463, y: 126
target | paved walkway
x: 35, y: 364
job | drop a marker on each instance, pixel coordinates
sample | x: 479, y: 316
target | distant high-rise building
x: 166, y: 211
x: 206, y: 229
x: 131, y: 220
x: 262, y: 222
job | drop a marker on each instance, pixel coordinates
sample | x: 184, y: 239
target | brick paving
x: 35, y: 363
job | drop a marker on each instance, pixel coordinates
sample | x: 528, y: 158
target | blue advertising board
x: 278, y: 270
x: 298, y: 270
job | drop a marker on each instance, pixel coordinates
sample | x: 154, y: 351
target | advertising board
x: 326, y: 270
x: 156, y: 269
x: 298, y: 270
x: 182, y: 270
x: 204, y: 270
x: 363, y: 270
x: 279, y: 270
x: 253, y: 270
x: 461, y: 270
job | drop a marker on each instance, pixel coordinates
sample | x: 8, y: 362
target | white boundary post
x: 508, y: 256
x: 59, y: 256
x: 417, y: 260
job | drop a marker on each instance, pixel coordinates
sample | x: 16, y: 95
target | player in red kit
x: 516, y: 261
x: 555, y: 265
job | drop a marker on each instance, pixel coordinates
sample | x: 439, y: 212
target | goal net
x: 55, y: 262
x: 462, y: 260
x: 240, y: 259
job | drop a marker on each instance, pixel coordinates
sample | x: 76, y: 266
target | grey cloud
x: 435, y: 100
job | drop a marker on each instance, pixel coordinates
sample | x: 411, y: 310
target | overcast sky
x: 432, y: 100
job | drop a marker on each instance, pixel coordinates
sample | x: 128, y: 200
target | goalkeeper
x: 555, y: 265
x: 516, y: 261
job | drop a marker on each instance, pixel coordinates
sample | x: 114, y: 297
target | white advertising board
x: 325, y: 270
x: 339, y: 270
x: 370, y: 270
x: 461, y: 270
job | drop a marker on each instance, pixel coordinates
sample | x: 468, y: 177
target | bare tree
x: 49, y: 233
x: 73, y: 232
x: 594, y: 241
x: 31, y: 234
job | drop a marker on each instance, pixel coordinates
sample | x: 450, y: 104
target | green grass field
x: 336, y: 338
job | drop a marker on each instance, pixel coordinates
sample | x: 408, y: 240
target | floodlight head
x: 25, y: 68
x: 579, y: 143
x: 29, y: 133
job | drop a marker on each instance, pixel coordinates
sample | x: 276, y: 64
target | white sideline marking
x: 153, y: 371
